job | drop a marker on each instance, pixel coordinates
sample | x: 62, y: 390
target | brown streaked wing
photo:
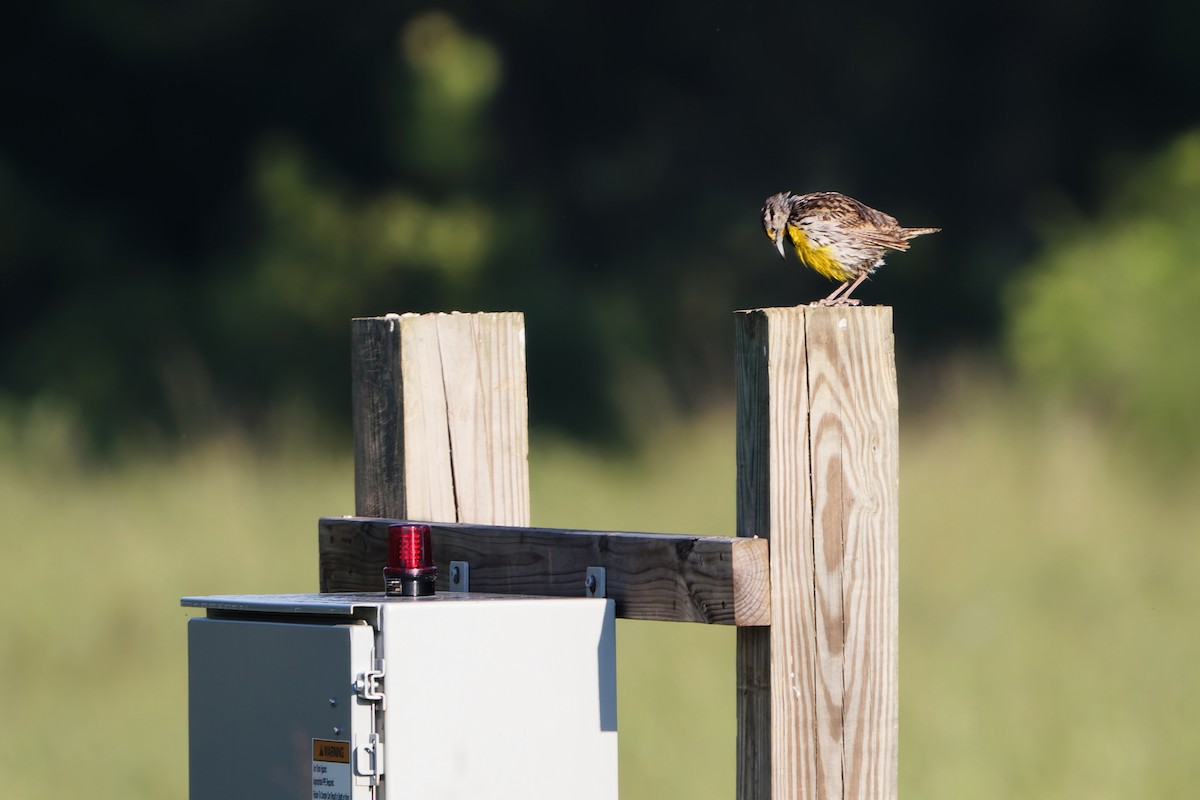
x: 853, y: 218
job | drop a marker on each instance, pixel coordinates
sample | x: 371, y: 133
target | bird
x: 834, y: 234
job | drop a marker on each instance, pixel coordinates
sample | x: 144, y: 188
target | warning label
x: 332, y: 778
x: 325, y: 750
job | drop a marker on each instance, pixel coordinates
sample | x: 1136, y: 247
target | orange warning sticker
x: 332, y: 752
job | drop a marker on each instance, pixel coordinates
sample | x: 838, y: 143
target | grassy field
x: 1049, y: 642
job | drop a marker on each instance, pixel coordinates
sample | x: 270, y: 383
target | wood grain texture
x: 817, y: 475
x: 855, y: 444
x: 650, y: 576
x: 441, y: 417
x: 377, y: 408
x: 753, y: 665
x: 774, y: 501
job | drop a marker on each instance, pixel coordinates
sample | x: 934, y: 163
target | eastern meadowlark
x: 835, y: 235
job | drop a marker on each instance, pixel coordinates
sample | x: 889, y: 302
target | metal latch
x: 368, y: 757
x: 368, y: 685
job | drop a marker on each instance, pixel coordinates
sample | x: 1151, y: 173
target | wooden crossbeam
x: 650, y: 576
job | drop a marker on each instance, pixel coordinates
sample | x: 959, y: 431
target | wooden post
x: 441, y: 418
x: 817, y: 474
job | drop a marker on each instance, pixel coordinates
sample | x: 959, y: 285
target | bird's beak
x: 779, y: 237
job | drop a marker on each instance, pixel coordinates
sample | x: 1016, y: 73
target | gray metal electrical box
x: 366, y: 697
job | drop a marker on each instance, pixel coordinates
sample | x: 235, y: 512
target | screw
x: 337, y: 730
x: 332, y: 702
x: 591, y: 584
x: 455, y: 574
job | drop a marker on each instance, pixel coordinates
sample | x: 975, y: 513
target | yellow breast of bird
x: 817, y: 257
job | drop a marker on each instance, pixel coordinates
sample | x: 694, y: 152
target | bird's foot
x: 840, y: 302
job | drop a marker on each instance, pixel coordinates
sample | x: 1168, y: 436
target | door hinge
x: 369, y: 685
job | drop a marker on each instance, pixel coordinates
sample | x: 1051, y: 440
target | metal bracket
x: 460, y: 576
x: 368, y: 685
x: 593, y: 585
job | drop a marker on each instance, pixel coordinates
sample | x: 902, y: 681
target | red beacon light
x: 410, y: 571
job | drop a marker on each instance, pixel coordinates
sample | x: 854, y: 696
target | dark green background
x: 195, y: 197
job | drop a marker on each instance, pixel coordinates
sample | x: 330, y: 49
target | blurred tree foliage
x: 195, y: 197
x: 1109, y: 314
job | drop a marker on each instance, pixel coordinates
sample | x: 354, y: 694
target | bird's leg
x: 832, y: 299
x: 841, y: 295
x: 845, y: 298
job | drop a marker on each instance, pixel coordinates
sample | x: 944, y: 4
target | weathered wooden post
x: 441, y: 435
x: 441, y: 417
x: 817, y: 474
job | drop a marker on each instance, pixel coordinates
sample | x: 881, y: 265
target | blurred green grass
x: 1048, y: 599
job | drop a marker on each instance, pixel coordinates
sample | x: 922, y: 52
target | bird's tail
x: 912, y: 233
